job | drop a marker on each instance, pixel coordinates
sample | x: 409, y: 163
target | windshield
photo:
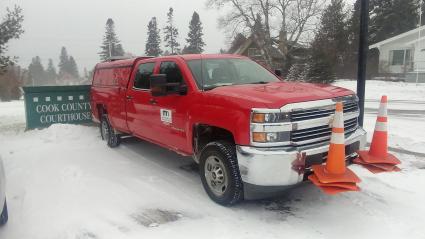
x: 212, y: 73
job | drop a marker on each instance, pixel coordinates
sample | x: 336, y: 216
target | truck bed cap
x: 120, y: 62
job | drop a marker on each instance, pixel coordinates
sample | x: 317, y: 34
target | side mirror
x: 158, y: 85
x: 183, y: 90
x: 278, y: 72
x: 137, y: 79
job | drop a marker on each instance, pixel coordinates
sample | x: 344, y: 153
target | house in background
x: 250, y: 49
x: 247, y: 47
x: 403, y: 56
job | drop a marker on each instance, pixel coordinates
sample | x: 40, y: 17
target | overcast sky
x: 79, y: 25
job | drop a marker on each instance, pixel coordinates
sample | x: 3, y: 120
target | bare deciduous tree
x: 284, y: 22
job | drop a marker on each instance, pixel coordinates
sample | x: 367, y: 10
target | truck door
x: 171, y: 110
x: 139, y: 108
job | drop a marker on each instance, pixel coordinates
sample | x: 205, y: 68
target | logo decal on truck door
x: 166, y: 116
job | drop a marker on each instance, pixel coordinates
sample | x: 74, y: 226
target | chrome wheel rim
x: 216, y: 175
x: 105, y: 130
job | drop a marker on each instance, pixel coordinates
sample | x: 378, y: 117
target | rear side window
x: 172, y: 71
x: 142, y: 79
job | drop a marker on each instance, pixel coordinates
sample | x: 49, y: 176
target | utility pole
x: 419, y: 38
x: 362, y: 61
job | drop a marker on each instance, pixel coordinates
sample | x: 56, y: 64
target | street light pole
x: 362, y: 59
x: 419, y: 39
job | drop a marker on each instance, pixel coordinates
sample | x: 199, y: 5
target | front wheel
x: 220, y: 173
x: 4, y: 215
x: 108, y: 133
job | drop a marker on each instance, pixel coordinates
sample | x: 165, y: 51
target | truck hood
x: 277, y: 94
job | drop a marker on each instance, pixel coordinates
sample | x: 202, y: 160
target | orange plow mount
x: 377, y: 159
x: 335, y: 177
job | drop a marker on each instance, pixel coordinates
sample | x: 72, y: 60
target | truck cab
x: 252, y: 133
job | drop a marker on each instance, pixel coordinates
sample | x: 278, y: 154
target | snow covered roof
x: 411, y: 32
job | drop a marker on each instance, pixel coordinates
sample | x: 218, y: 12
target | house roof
x: 411, y: 32
x: 275, y: 53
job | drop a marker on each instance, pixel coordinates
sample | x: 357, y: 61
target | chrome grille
x: 315, y: 113
x: 320, y: 134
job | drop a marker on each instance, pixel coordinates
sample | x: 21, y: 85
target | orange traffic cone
x: 335, y: 177
x: 377, y: 159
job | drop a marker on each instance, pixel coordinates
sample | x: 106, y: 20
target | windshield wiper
x: 260, y: 82
x: 210, y: 87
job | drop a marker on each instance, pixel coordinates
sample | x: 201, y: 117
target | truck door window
x: 141, y: 80
x: 172, y: 70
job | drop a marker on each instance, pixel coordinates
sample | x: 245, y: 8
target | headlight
x: 270, y: 117
x: 267, y: 137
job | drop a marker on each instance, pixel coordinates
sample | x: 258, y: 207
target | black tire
x: 225, y: 152
x: 101, y: 130
x: 108, y: 133
x: 4, y: 217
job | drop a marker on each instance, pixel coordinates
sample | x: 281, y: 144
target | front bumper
x: 271, y: 170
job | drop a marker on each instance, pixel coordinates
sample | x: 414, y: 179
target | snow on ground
x: 65, y: 183
x: 406, y: 108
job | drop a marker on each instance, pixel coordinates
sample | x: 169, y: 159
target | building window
x: 400, y: 57
x: 254, y: 52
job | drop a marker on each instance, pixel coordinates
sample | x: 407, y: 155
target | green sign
x: 47, y: 105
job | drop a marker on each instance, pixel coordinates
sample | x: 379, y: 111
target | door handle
x: 153, y: 101
x: 129, y: 97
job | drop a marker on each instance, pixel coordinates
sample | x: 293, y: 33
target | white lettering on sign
x: 166, y: 116
x: 64, y: 118
x: 59, y: 98
x: 81, y: 97
x: 70, y: 97
x: 35, y: 99
x: 75, y: 106
x: 53, y: 108
x: 63, y: 113
x: 47, y: 108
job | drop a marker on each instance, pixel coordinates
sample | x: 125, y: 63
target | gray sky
x: 79, y: 25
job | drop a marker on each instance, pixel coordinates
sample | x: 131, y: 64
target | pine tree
x: 68, y: 70
x: 194, y: 37
x: 10, y: 28
x: 351, y: 58
x: 330, y: 44
x: 392, y: 17
x: 153, y: 43
x: 320, y: 67
x: 86, y: 73
x: 36, y: 72
x: 111, y: 45
x: 237, y: 42
x: 63, y: 62
x: 171, y: 34
x: 72, y: 68
x: 51, y: 74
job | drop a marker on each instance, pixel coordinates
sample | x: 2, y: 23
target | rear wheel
x: 220, y: 173
x: 4, y: 215
x: 108, y: 133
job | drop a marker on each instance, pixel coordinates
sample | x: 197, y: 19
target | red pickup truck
x: 252, y: 134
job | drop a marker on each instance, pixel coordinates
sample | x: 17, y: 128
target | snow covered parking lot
x: 65, y: 183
